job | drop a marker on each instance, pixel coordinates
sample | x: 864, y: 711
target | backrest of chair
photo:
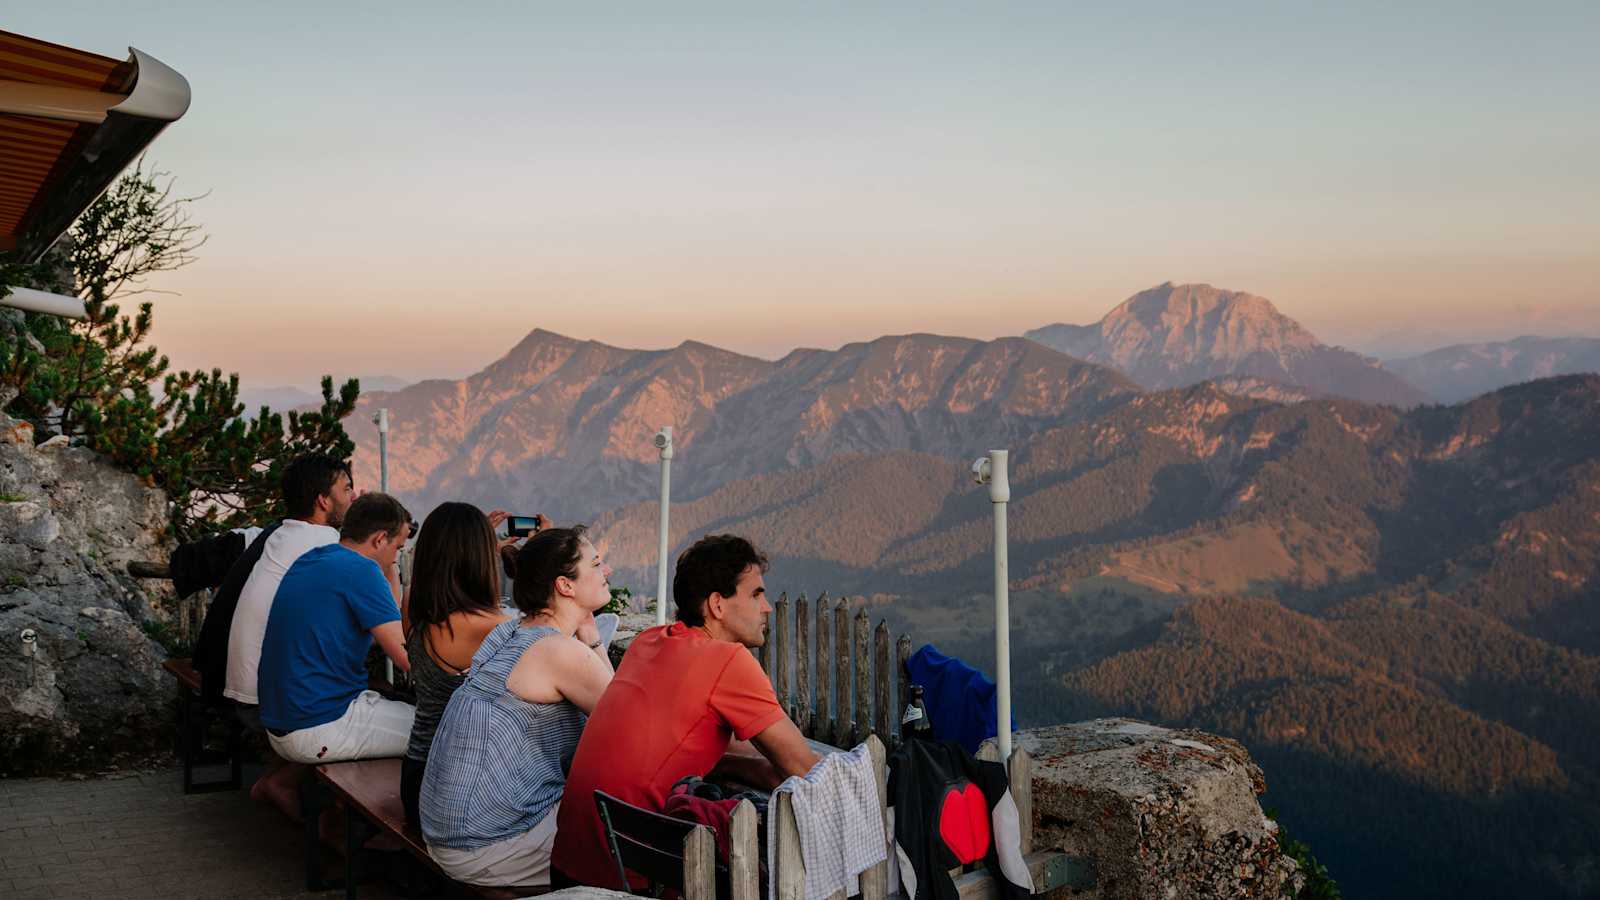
x: 671, y: 853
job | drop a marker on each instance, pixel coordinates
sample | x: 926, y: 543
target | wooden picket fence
x: 1049, y: 869
x: 832, y: 670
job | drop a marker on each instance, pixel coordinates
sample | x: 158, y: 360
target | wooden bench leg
x: 191, y: 735
x: 314, y: 798
x: 195, y: 719
x: 352, y: 853
x: 235, y: 752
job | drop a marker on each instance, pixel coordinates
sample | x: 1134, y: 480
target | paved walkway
x: 138, y: 836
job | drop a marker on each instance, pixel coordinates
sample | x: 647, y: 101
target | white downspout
x: 44, y: 302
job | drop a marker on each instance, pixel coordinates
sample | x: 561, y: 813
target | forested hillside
x: 1396, y: 611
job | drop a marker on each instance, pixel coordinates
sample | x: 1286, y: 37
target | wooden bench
x: 370, y: 792
x: 195, y: 715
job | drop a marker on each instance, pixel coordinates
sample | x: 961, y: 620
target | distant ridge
x: 1175, y: 335
x: 1456, y: 373
x: 562, y: 426
x: 286, y: 397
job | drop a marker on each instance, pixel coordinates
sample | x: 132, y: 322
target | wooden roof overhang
x: 70, y: 122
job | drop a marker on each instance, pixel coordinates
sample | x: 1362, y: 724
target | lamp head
x: 981, y: 469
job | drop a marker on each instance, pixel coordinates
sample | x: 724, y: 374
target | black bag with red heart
x: 951, y: 810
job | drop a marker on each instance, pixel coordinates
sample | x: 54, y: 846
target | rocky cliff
x: 92, y: 688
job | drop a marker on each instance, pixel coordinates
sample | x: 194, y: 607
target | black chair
x: 652, y: 845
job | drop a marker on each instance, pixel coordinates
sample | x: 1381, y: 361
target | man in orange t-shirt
x: 685, y: 701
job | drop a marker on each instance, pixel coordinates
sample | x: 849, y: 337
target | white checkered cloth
x: 837, y: 811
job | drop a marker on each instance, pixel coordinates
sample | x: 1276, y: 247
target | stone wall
x: 1160, y: 813
x: 94, y: 689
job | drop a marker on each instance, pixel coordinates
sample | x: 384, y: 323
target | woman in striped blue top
x: 494, y: 779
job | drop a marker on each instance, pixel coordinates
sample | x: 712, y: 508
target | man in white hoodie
x: 317, y: 490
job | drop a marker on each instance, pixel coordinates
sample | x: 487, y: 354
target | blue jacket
x: 960, y: 699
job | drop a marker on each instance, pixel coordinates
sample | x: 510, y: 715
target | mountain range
x: 564, y: 427
x: 1395, y: 605
x: 1176, y: 335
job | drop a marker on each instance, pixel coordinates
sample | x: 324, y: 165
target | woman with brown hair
x: 452, y: 604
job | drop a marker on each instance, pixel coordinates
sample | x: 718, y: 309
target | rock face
x: 1175, y: 335
x: 1162, y: 814
x: 93, y: 688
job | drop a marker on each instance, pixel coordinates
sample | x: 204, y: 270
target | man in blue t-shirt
x: 332, y: 603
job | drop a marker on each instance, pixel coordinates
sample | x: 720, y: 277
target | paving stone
x: 137, y: 836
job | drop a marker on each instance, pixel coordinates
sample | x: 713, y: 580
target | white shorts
x: 520, y: 861
x: 371, y: 728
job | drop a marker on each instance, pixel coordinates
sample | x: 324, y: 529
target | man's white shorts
x: 372, y: 728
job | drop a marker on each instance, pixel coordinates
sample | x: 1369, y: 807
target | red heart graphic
x: 964, y: 823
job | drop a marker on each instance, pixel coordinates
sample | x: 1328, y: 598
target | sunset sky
x: 408, y: 188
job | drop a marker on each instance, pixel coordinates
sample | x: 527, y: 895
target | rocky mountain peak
x: 1195, y: 322
x: 1173, y: 335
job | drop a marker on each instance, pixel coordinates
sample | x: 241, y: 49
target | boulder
x: 93, y: 688
x: 1160, y: 813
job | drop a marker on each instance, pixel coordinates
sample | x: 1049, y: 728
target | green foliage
x: 93, y: 379
x: 167, y: 636
x: 621, y: 601
x: 1319, y: 885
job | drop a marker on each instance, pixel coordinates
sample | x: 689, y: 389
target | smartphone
x: 522, y: 526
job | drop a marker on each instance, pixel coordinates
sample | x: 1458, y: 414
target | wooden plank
x: 744, y: 854
x: 842, y: 723
x: 790, y: 872
x: 902, y: 652
x: 822, y: 725
x: 863, y: 713
x: 778, y: 637
x: 803, y: 701
x: 1020, y: 772
x: 765, y: 655
x: 880, y: 679
x: 139, y: 568
x: 875, y: 880
x: 1049, y: 869
x: 699, y: 865
x: 988, y: 751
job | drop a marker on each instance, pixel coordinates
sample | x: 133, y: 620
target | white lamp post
x: 991, y: 470
x: 382, y: 421
x: 663, y: 441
